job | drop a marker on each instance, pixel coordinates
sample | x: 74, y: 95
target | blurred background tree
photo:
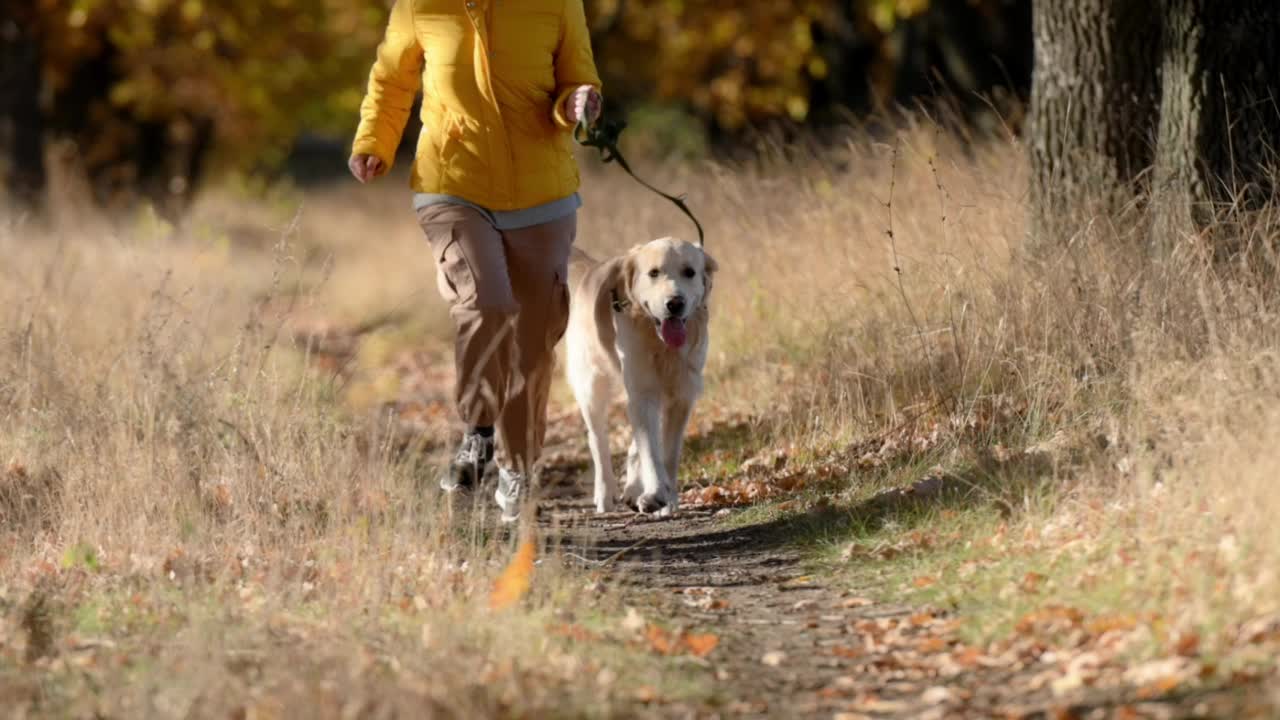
x: 747, y: 66
x: 147, y: 96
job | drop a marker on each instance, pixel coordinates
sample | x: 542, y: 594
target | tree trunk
x: 21, y: 123
x: 1219, y: 125
x: 1094, y: 101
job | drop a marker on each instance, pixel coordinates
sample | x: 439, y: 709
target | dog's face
x: 668, y: 280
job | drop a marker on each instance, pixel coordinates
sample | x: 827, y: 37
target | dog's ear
x: 620, y: 277
x: 709, y: 268
x: 627, y: 276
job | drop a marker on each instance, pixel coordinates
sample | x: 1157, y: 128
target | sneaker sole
x: 452, y: 487
x: 507, y: 507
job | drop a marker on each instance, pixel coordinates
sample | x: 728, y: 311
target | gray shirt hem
x: 507, y: 219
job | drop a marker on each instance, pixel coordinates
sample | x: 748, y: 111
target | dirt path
x: 797, y: 645
x: 792, y: 643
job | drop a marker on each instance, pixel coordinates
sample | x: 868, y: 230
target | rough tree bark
x: 21, y: 125
x: 1094, y: 101
x: 1219, y: 127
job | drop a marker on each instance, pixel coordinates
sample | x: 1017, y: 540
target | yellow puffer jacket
x: 495, y: 76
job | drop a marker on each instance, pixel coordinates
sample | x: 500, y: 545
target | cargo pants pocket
x: 454, y: 277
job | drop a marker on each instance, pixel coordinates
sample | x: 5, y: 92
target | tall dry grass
x: 181, y: 482
x: 195, y: 523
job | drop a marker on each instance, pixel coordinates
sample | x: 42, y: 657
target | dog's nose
x: 675, y: 305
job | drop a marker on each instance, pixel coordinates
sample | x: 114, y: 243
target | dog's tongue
x: 672, y: 332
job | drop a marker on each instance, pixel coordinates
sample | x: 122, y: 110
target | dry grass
x: 195, y: 520
x: 194, y: 524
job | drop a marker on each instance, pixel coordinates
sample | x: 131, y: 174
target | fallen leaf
x: 921, y: 619
x: 1031, y: 582
x: 660, y: 640
x: 1159, y: 688
x: 1049, y: 618
x: 877, y: 705
x: 1082, y: 670
x: 1187, y: 644
x: 701, y: 645
x: 857, y: 602
x: 646, y: 694
x: 1259, y: 630
x: 633, y: 622
x: 774, y: 658
x: 1158, y: 671
x: 968, y: 657
x: 1110, y: 623
x: 516, y: 578
x: 925, y: 581
x: 932, y: 646
x: 574, y: 632
x: 937, y: 695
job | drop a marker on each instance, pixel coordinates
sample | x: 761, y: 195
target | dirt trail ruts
x: 798, y: 645
x: 793, y: 644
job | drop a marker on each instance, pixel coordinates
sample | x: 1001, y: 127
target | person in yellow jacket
x: 495, y: 183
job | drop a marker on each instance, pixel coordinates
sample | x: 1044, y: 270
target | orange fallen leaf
x: 967, y: 657
x: 701, y: 644
x: 1187, y: 644
x: 516, y: 579
x: 1031, y: 582
x: 932, y: 645
x: 1109, y: 623
x: 1047, y: 617
x: 646, y: 694
x: 920, y: 619
x: 1126, y: 712
x: 575, y: 632
x: 660, y: 640
x: 925, y: 581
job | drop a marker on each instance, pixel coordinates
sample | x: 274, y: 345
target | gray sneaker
x: 511, y: 487
x: 468, y: 465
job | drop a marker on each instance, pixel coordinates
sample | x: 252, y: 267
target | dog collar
x: 617, y: 303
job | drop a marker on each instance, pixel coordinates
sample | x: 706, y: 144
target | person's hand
x: 584, y: 103
x: 364, y: 167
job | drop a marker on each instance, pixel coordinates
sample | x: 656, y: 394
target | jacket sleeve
x: 575, y: 65
x: 393, y: 83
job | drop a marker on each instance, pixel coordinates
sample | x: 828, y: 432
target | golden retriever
x: 638, y: 322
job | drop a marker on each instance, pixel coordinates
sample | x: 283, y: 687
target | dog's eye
x: 690, y: 273
x: 654, y: 273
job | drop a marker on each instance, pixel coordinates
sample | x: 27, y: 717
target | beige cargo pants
x: 508, y: 295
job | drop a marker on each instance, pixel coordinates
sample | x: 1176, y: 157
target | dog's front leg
x: 593, y: 400
x: 644, y: 409
x: 633, y: 485
x: 674, y: 422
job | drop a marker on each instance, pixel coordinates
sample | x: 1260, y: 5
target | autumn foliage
x: 152, y: 93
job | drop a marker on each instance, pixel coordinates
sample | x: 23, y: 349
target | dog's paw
x: 632, y: 488
x: 604, y: 504
x: 651, y: 503
x: 670, y: 502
